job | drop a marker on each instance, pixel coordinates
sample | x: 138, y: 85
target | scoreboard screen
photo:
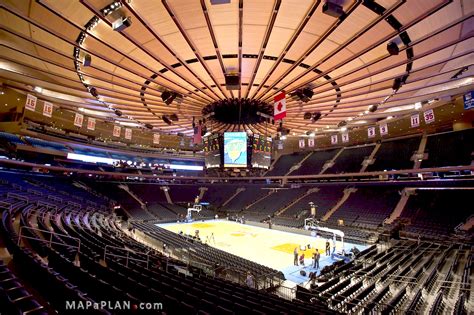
x: 235, y: 149
x: 212, y: 151
x: 261, y: 151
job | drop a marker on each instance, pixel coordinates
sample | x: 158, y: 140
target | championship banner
x: 128, y: 133
x: 156, y: 138
x: 371, y: 132
x: 47, y: 109
x: 90, y: 123
x: 429, y: 116
x: 469, y: 100
x: 311, y: 142
x: 31, y: 102
x: 301, y: 143
x: 334, y: 139
x: 415, y: 120
x: 345, y: 137
x: 116, y: 132
x: 78, y: 120
x: 383, y: 129
x: 280, y: 145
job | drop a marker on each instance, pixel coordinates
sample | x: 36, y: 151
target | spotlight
x: 166, y: 119
x: 165, y: 95
x: 392, y: 48
x: 2, y: 90
x: 303, y: 95
x: 121, y: 23
x: 174, y: 117
x: 149, y: 126
x: 373, y: 108
x: 93, y: 92
x: 169, y: 96
x: 307, y: 115
x: 342, y: 123
x: 316, y: 116
x: 397, y: 83
x: 87, y: 60
x: 118, y: 112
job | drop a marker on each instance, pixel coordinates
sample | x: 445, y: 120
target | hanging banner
x: 371, y: 132
x: 31, y: 102
x: 128, y: 133
x: 78, y: 120
x: 415, y: 120
x: 47, y: 109
x: 301, y: 143
x: 345, y: 137
x: 280, y: 145
x: 429, y: 116
x: 91, y: 123
x: 334, y: 139
x: 469, y: 100
x: 383, y: 129
x: 156, y: 138
x: 311, y: 142
x: 116, y: 132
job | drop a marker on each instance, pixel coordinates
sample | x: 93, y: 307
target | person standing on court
x: 295, y: 254
x: 328, y: 248
x: 316, y: 259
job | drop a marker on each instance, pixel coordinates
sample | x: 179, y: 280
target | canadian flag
x: 279, y: 107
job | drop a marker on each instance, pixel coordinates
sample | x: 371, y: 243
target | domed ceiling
x: 147, y: 59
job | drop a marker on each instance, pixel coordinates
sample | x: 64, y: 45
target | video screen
x: 212, y: 151
x: 235, y: 149
x: 261, y: 151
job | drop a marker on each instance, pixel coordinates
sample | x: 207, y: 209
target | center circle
x: 227, y: 111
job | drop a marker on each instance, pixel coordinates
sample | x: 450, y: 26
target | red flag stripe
x: 279, y: 97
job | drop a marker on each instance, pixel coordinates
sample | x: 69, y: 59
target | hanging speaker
x: 333, y: 9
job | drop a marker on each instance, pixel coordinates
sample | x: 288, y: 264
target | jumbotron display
x: 261, y: 151
x: 212, y: 151
x: 235, y: 149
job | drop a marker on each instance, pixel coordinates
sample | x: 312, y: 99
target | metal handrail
x: 50, y: 241
x: 127, y: 257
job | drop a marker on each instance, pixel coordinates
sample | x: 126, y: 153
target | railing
x: 17, y: 196
x: 21, y: 235
x: 127, y: 256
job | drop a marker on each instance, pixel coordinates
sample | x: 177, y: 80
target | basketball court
x: 271, y: 248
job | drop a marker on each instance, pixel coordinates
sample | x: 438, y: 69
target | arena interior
x: 236, y: 156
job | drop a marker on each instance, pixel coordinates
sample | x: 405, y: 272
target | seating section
x: 183, y: 193
x: 395, y: 155
x: 435, y: 213
x: 134, y: 272
x: 314, y: 164
x: 390, y: 281
x: 450, y: 149
x: 367, y: 207
x: 284, y: 163
x: 122, y: 198
x: 245, y: 198
x: 14, y: 297
x: 217, y: 194
x: 350, y: 160
x: 275, y: 201
x: 324, y: 199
